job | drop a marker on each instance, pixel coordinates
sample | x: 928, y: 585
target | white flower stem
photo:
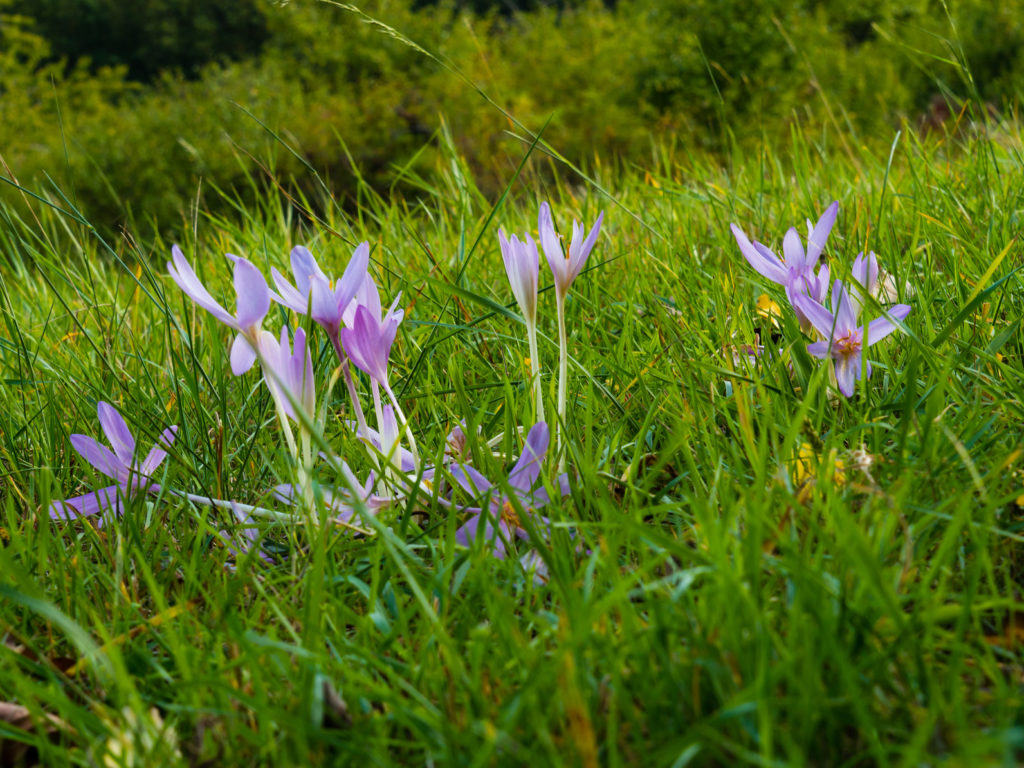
x: 563, y: 374
x: 403, y: 423
x: 538, y: 395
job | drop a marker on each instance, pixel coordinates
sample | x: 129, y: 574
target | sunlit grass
x: 771, y: 574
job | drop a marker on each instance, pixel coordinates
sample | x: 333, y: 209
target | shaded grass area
x: 751, y: 591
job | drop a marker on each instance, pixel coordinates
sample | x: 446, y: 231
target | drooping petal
x: 242, y: 355
x: 117, y: 432
x: 819, y: 235
x: 764, y: 262
x: 183, y: 274
x: 286, y: 294
x: 846, y: 368
x: 86, y: 505
x: 527, y: 468
x: 253, y: 296
x: 820, y: 318
x: 881, y: 327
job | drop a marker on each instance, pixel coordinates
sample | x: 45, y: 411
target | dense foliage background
x: 131, y: 106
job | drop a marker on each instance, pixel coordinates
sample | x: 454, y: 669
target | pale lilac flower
x: 566, y: 266
x: 288, y: 371
x: 313, y: 291
x: 797, y: 274
x: 844, y: 339
x: 120, y: 464
x: 522, y: 265
x: 499, y: 522
x: 253, y: 302
x: 368, y: 341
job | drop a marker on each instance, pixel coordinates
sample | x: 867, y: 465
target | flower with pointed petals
x: 313, y: 291
x: 797, y: 274
x: 566, y: 266
x: 522, y: 265
x: 843, y: 340
x: 120, y: 464
x: 253, y: 302
x: 288, y: 371
x: 368, y: 342
x: 499, y: 522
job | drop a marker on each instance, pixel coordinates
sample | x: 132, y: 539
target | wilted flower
x: 253, y: 301
x: 844, y: 339
x: 121, y: 465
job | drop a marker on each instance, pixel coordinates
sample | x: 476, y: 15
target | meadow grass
x: 751, y: 591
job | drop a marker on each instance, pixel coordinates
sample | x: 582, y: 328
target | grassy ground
x: 752, y: 591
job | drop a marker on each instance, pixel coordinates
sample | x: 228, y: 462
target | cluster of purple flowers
x: 362, y: 333
x: 841, y: 336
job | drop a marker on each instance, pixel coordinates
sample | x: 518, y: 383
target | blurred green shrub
x: 348, y: 97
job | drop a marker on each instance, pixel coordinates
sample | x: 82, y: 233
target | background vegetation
x: 130, y: 108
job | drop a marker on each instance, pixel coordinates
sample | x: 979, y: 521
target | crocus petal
x: 470, y: 480
x: 817, y: 238
x: 287, y: 295
x: 86, y: 505
x: 471, y: 530
x: 353, y: 277
x: 253, y: 294
x: 117, y: 432
x: 819, y: 349
x: 100, y: 457
x: 527, y: 468
x: 304, y: 267
x: 324, y: 307
x: 820, y: 318
x: 793, y: 251
x: 846, y: 315
x: 158, y: 453
x: 846, y: 373
x: 766, y: 264
x: 242, y: 355
x: 579, y: 253
x: 183, y: 274
x: 881, y: 327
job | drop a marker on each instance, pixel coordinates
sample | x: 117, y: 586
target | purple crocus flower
x: 368, y: 342
x: 499, y: 521
x: 253, y: 302
x: 120, y: 464
x: 797, y: 274
x: 522, y: 265
x: 288, y: 371
x: 843, y: 340
x: 565, y: 267
x: 865, y: 278
x: 313, y: 291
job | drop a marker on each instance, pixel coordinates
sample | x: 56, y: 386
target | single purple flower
x: 522, y: 265
x: 368, y: 342
x: 120, y: 464
x: 288, y: 371
x: 797, y: 274
x: 566, y: 266
x: 499, y: 521
x: 844, y: 341
x: 253, y: 302
x: 314, y: 292
x: 865, y: 280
